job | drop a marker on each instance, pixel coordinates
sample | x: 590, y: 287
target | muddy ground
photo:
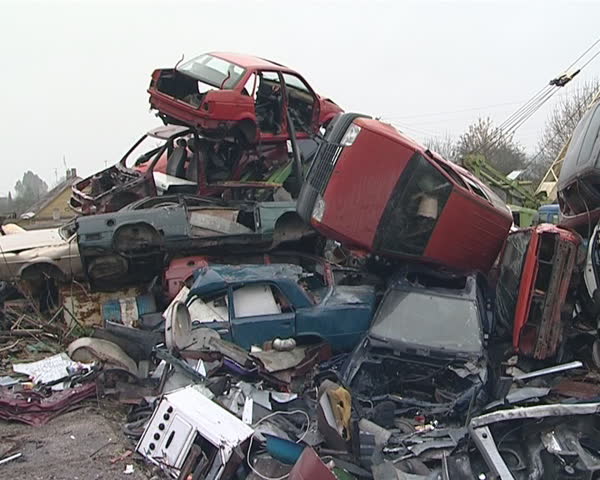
x: 77, y: 445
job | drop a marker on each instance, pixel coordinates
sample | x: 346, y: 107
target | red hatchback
x: 373, y: 188
x: 226, y: 94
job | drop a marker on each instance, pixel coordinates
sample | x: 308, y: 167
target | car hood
x: 30, y: 239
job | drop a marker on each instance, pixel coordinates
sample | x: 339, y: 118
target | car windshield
x: 144, y: 151
x: 413, y: 209
x: 213, y: 71
x: 432, y: 321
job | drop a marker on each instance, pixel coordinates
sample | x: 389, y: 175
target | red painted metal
x: 180, y: 270
x: 34, y: 408
x: 310, y: 467
x: 470, y: 231
x: 542, y: 341
x: 221, y: 110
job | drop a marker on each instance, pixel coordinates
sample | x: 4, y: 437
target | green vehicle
x: 524, y: 217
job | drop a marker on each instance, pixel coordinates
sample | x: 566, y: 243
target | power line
x: 511, y: 128
x: 524, y: 107
x: 583, y: 54
x: 514, y: 121
x: 590, y: 60
x: 451, y: 112
x: 530, y: 162
x: 435, y: 114
x: 418, y: 131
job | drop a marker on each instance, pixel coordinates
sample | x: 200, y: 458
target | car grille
x: 323, y: 164
x: 325, y: 161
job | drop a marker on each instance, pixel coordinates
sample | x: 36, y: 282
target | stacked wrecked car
x: 278, y: 289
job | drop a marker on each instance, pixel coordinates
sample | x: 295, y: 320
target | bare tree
x: 500, y: 150
x: 561, y: 122
x: 444, y: 146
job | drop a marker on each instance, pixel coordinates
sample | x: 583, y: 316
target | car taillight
x: 154, y: 78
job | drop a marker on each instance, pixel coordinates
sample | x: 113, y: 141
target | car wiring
x: 271, y: 415
x: 429, y: 375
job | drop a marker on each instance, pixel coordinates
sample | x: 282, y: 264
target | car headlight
x: 350, y: 135
x: 318, y: 209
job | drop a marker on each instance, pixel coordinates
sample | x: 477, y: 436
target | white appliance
x: 188, y: 431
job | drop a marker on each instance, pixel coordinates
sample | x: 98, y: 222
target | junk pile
x: 381, y: 321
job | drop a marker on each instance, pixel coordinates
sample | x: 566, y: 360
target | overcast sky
x: 75, y: 74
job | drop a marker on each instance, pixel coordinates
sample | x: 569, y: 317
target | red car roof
x: 248, y: 61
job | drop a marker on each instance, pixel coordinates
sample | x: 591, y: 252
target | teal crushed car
x: 253, y: 304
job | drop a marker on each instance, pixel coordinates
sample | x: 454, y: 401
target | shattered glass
x: 414, y: 209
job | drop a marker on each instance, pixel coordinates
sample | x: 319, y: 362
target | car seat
x: 191, y: 172
x: 176, y: 162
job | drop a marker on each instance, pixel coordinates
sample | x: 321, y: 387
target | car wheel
x: 137, y: 239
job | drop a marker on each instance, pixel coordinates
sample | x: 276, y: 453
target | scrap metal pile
x: 279, y: 289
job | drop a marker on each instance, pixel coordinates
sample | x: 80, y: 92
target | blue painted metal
x: 549, y: 213
x: 283, y: 450
x: 340, y: 316
x: 96, y: 232
x: 112, y: 312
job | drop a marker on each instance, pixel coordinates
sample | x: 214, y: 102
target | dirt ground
x: 76, y: 445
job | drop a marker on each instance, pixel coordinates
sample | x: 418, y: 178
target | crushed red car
x: 224, y: 94
x: 175, y: 159
x: 532, y: 293
x: 372, y: 188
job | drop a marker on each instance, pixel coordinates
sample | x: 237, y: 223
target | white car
x: 34, y: 255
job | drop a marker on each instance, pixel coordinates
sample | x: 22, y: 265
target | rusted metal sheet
x: 577, y: 389
x: 86, y: 307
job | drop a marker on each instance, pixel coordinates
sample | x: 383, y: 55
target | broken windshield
x: 213, y: 71
x: 413, y: 209
x: 429, y: 320
x: 143, y: 151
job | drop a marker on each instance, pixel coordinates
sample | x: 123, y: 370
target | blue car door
x: 259, y: 312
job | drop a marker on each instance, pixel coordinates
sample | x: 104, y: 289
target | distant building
x: 53, y: 208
